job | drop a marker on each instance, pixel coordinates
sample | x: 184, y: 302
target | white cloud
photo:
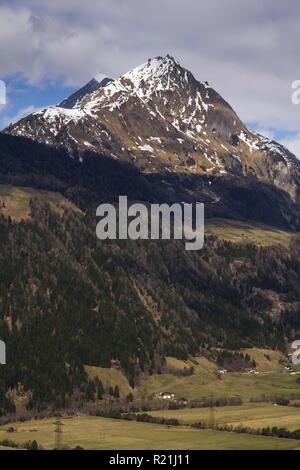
x: 293, y: 144
x: 247, y: 50
x: 265, y: 132
x: 6, y: 120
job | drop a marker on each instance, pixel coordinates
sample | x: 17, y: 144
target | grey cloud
x: 247, y: 50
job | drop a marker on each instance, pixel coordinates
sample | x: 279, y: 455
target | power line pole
x: 58, y: 435
x: 212, y: 418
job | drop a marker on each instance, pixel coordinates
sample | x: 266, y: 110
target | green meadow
x: 101, y: 433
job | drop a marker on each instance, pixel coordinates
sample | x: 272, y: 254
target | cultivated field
x: 252, y: 415
x: 101, y: 433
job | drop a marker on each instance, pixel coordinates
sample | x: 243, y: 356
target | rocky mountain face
x: 159, y: 117
x: 95, y: 178
x: 74, y: 100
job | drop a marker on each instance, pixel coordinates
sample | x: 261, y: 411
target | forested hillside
x: 69, y: 300
x: 97, y: 178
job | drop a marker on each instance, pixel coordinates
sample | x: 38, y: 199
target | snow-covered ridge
x: 53, y: 119
x: 151, y: 71
x: 74, y: 100
x: 144, y: 81
x: 54, y: 113
x: 276, y: 148
x: 159, y: 116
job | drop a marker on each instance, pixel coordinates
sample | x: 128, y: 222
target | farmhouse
x: 251, y: 371
x: 165, y: 395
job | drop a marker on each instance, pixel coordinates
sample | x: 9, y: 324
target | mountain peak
x: 74, y: 100
x: 153, y: 69
x: 160, y: 118
x: 102, y: 80
x: 155, y: 75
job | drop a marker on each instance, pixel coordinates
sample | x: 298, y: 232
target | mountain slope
x: 68, y: 300
x: 160, y: 118
x: 95, y: 178
x: 73, y: 101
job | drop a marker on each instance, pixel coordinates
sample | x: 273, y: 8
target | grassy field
x: 16, y: 201
x: 253, y: 415
x: 102, y: 433
x: 272, y: 379
x: 7, y: 448
x: 248, y: 232
x: 266, y: 360
x: 231, y: 385
x: 110, y: 378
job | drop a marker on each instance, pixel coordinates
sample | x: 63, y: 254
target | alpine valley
x: 71, y: 304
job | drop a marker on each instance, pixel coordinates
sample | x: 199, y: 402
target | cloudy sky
x: 248, y: 51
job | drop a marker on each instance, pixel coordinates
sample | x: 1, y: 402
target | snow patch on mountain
x: 280, y: 150
x: 160, y: 118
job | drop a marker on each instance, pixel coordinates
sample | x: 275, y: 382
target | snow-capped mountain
x: 73, y: 101
x: 160, y: 118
